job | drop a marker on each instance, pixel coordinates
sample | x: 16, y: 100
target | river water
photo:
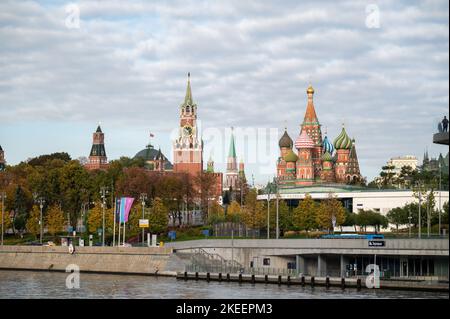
x: 28, y: 284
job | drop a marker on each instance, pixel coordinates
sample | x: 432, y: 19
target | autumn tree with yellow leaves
x: 305, y: 214
x: 253, y: 216
x: 33, y: 221
x: 54, y: 220
x: 95, y: 219
x: 326, y: 210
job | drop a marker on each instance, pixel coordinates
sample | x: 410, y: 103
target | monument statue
x: 445, y: 124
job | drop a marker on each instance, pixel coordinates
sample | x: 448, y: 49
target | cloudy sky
x: 380, y: 67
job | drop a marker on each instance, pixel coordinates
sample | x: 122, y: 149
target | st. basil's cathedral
x: 311, y: 159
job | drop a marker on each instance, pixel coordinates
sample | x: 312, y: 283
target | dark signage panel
x: 376, y: 243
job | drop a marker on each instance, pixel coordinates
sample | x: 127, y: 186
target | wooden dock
x: 311, y: 281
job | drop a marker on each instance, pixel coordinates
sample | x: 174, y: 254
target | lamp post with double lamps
x: 143, y: 198
x: 41, y: 201
x: 103, y: 194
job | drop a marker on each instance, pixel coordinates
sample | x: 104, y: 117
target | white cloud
x: 250, y: 62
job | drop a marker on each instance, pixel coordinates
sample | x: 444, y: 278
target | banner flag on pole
x: 125, y: 207
x: 128, y: 207
x: 117, y: 211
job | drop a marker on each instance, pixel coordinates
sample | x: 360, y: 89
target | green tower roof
x: 291, y: 157
x: 343, y: 141
x: 232, y: 150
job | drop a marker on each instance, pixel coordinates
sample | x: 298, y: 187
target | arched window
x: 187, y: 109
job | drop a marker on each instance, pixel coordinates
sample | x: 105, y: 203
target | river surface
x: 29, y: 284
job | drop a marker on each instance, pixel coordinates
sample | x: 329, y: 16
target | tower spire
x: 188, y: 98
x: 232, y: 150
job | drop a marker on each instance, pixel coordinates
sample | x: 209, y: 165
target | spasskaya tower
x: 188, y: 148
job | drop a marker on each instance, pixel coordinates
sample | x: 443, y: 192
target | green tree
x: 33, y: 221
x: 54, y: 220
x: 216, y: 214
x: 159, y: 216
x: 253, y: 213
x: 398, y: 216
x: 305, y: 214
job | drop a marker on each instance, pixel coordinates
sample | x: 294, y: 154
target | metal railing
x: 202, y: 258
x: 241, y: 270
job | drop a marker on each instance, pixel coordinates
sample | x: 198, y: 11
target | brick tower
x: 312, y: 126
x: 97, y: 157
x: 231, y: 175
x: 187, y: 148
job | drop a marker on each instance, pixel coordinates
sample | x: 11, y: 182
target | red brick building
x: 97, y: 157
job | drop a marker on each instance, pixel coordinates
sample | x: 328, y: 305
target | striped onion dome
x: 304, y: 141
x: 326, y: 157
x: 327, y: 145
x: 285, y: 140
x: 343, y: 142
x: 291, y: 157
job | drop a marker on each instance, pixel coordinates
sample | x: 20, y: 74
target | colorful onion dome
x: 327, y: 145
x: 326, y: 157
x: 310, y: 90
x: 343, y: 142
x: 285, y: 140
x: 291, y: 157
x: 304, y: 141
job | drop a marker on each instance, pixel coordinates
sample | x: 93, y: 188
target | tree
x: 327, y: 209
x: 234, y: 212
x: 371, y: 218
x: 305, y: 214
x: 350, y: 219
x: 253, y: 212
x: 95, y: 219
x: 159, y: 216
x: 33, y: 221
x: 216, y: 214
x: 54, y: 220
x: 398, y: 216
x: 284, y: 216
x: 205, y: 182
x: 444, y: 216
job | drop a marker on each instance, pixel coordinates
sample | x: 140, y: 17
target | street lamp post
x: 143, y: 198
x: 409, y: 223
x: 3, y: 197
x: 41, y: 202
x: 420, y: 212
x: 440, y: 191
x: 103, y: 193
x: 277, y: 221
x: 268, y: 211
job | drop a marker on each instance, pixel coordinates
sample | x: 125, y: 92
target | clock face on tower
x: 187, y: 130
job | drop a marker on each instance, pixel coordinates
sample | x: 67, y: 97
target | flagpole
x: 114, y: 227
x: 124, y: 228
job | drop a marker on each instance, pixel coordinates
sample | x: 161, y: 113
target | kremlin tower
x: 97, y: 157
x: 187, y: 148
x: 231, y: 175
x: 313, y: 162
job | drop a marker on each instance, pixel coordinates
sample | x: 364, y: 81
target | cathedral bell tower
x: 187, y: 148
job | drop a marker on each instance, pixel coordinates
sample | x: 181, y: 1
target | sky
x: 379, y: 67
